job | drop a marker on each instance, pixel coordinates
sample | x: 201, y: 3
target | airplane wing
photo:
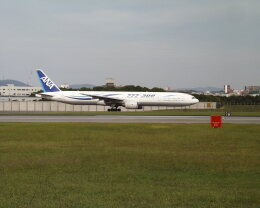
x: 106, y: 98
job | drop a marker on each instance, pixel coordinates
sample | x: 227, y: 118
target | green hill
x: 10, y: 81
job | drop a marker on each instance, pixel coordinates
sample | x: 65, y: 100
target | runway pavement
x: 124, y: 119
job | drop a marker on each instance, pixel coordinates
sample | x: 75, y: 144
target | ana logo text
x: 48, y: 82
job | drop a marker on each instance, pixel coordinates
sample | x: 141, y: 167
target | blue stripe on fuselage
x: 80, y: 98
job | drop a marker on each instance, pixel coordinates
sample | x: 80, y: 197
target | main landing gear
x: 114, y: 109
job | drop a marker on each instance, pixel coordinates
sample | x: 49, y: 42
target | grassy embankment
x: 240, y: 110
x: 129, y: 165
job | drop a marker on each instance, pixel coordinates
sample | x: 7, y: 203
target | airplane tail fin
x: 47, y: 84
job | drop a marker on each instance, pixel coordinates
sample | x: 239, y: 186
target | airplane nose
x: 197, y: 101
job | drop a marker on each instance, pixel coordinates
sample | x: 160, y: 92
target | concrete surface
x: 124, y: 119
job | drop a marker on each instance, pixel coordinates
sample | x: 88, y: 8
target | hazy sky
x: 176, y: 43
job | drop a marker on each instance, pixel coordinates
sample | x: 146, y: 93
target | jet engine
x: 132, y: 105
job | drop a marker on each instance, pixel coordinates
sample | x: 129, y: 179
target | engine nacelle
x: 132, y: 105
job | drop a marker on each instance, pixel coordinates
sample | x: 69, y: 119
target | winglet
x: 47, y: 84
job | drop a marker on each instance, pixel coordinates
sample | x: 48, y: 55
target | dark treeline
x: 232, y: 100
x: 124, y: 88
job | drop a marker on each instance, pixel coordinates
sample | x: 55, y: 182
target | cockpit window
x: 193, y: 97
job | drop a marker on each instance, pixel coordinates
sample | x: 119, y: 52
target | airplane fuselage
x: 122, y: 98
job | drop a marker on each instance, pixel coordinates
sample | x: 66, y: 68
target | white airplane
x: 114, y: 99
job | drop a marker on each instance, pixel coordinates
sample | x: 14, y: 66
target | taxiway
x: 124, y: 119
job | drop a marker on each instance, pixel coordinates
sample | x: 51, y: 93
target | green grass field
x: 62, y: 165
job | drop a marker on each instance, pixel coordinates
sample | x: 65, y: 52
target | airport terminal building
x: 12, y: 90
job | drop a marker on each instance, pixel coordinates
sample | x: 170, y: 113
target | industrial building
x: 12, y: 90
x: 110, y: 82
x: 252, y: 90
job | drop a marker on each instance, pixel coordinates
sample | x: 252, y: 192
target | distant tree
x: 67, y: 89
x: 157, y: 89
x: 232, y: 100
x: 128, y: 88
x: 85, y: 89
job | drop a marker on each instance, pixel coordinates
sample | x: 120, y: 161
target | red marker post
x: 216, y: 121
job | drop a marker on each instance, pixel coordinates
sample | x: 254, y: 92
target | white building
x: 227, y: 89
x: 12, y: 90
x: 65, y: 86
